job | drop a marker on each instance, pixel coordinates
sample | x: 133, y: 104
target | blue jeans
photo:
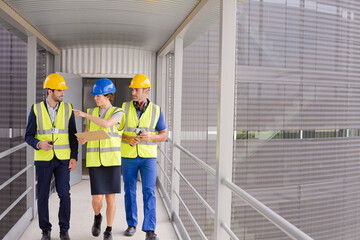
x: 44, y: 172
x: 130, y: 168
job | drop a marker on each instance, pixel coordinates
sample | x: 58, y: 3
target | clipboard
x: 93, y: 135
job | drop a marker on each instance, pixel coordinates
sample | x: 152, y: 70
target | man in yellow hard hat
x: 51, y: 132
x: 144, y: 125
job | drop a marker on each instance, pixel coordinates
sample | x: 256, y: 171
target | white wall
x: 108, y: 60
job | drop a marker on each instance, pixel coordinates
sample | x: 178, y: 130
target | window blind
x: 297, y: 116
x: 199, y: 126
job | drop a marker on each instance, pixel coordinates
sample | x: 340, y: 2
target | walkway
x: 82, y: 217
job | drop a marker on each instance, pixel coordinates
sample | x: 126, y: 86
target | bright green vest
x: 104, y: 152
x: 59, y: 132
x: 146, y: 123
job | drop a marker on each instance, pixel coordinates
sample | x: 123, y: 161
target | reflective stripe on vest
x: 147, y: 122
x: 61, y: 147
x: 104, y: 152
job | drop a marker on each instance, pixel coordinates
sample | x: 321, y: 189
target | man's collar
x: 48, y: 106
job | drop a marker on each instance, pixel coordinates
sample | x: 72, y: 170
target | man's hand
x: 134, y: 141
x: 72, y: 164
x: 145, y: 136
x: 44, y: 145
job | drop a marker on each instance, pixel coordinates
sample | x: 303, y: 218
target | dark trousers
x: 44, y: 172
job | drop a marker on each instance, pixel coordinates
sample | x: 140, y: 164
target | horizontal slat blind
x: 297, y: 116
x: 199, y: 126
x: 12, y: 124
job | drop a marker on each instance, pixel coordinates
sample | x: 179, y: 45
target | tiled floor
x: 82, y: 217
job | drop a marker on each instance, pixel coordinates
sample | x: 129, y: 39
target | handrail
x: 15, y: 176
x: 200, y: 162
x: 202, y: 234
x: 12, y: 150
x: 165, y: 175
x: 167, y: 158
x: 15, y: 202
x: 228, y: 230
x: 269, y: 214
x: 285, y: 226
x: 202, y: 200
x: 6, y: 183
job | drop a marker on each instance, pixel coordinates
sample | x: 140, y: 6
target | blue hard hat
x: 103, y: 86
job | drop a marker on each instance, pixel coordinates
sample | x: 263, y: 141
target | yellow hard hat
x: 55, y: 81
x: 140, y: 81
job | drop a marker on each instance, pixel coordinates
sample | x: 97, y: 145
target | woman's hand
x: 79, y: 113
x: 82, y: 141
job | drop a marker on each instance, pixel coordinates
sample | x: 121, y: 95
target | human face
x: 101, y: 101
x: 139, y: 94
x: 57, y: 95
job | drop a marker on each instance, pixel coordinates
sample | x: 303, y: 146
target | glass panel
x: 297, y: 115
x: 248, y: 224
x: 199, y: 118
x: 13, y: 93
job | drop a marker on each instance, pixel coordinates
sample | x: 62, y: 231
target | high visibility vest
x: 104, y: 152
x: 45, y: 130
x: 147, y: 122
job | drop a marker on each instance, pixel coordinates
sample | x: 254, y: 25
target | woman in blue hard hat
x: 103, y: 157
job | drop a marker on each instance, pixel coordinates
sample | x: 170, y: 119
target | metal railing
x: 197, y: 194
x: 17, y: 175
x: 201, y: 163
x: 281, y: 223
x: 162, y: 169
x: 12, y: 150
x: 266, y: 212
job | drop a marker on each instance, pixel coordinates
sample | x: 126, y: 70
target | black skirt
x: 105, y: 180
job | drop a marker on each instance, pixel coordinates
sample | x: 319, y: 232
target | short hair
x: 47, y: 93
x: 110, y: 96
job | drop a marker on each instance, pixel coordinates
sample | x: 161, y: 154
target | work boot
x: 130, y: 231
x: 46, y: 235
x: 150, y: 235
x: 64, y: 236
x: 107, y: 235
x: 96, y: 228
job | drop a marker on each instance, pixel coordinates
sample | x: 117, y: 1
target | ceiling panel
x: 145, y: 24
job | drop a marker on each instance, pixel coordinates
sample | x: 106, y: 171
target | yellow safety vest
x: 147, y: 123
x: 45, y: 130
x: 104, y: 152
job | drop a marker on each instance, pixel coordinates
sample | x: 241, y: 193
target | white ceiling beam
x: 17, y: 21
x: 200, y: 11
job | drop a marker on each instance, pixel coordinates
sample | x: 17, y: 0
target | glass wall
x: 199, y: 121
x: 13, y: 57
x: 297, y: 116
x: 13, y: 92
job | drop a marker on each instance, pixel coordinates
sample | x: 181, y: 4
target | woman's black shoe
x: 107, y: 235
x: 96, y: 228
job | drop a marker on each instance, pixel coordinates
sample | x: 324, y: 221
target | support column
x: 225, y: 126
x: 57, y: 63
x: 176, y: 136
x: 31, y: 99
x: 160, y: 100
